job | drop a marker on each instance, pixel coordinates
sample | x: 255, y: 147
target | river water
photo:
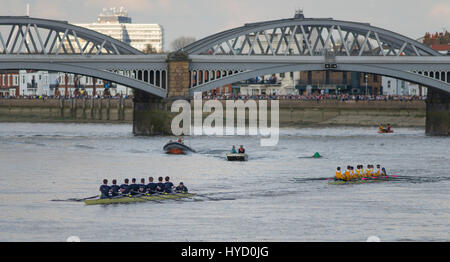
x: 280, y: 194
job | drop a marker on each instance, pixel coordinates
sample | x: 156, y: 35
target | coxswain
x: 134, y: 188
x: 181, y: 188
x: 124, y: 188
x: 338, y: 174
x: 142, y: 186
x: 114, y: 188
x: 383, y: 172
x: 104, y: 189
x: 160, y: 185
x: 241, y: 150
x: 151, y: 186
x: 168, y: 186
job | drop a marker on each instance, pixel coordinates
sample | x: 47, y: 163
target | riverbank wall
x: 292, y: 112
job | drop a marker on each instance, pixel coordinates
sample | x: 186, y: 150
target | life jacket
x: 347, y: 174
x: 369, y: 172
x: 358, y: 173
x: 338, y: 175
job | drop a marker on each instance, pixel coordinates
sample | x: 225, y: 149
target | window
x: 389, y: 84
x: 375, y: 78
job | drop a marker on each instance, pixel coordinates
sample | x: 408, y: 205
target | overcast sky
x: 200, y: 18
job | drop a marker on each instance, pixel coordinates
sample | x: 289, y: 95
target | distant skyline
x: 200, y: 18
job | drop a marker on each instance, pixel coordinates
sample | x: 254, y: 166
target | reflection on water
x: 280, y: 194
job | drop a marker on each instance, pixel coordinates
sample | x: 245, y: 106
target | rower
x: 358, y: 171
x: 160, y: 185
x: 114, y: 188
x: 142, y: 186
x: 104, y: 189
x: 151, y: 186
x: 133, y: 188
x: 347, y: 173
x: 124, y: 188
x: 181, y: 188
x: 378, y: 172
x: 372, y: 171
x: 168, y: 186
x: 388, y: 128
x: 381, y: 128
x: 338, y: 174
x: 241, y: 150
x: 368, y: 171
x: 353, y: 173
x: 233, y: 150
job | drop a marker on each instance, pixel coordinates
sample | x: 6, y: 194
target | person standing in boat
x: 168, y: 186
x: 181, y: 188
x: 241, y: 150
x: 114, y: 188
x: 151, y: 186
x: 124, y: 188
x: 233, y: 150
x: 104, y: 189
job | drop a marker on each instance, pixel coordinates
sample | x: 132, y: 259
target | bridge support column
x: 438, y: 113
x: 151, y: 115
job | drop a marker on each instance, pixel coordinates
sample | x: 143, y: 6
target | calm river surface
x: 280, y: 194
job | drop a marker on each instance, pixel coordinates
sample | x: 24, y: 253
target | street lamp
x: 366, y: 76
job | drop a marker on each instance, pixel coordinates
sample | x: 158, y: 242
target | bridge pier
x: 438, y: 113
x: 152, y: 115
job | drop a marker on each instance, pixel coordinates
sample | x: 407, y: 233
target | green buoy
x: 317, y: 155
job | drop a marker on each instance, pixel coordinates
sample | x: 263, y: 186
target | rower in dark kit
x: 151, y: 186
x: 104, y: 189
x: 114, y: 188
x: 124, y: 188
x: 168, y: 186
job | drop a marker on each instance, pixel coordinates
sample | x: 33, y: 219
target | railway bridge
x: 254, y: 49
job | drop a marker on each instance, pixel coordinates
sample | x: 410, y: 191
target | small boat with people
x: 177, y: 147
x: 238, y: 155
x: 359, y: 175
x: 134, y: 192
x: 386, y: 130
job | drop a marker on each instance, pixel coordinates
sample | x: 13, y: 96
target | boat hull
x: 237, y: 157
x: 176, y: 148
x: 359, y: 181
x: 125, y: 199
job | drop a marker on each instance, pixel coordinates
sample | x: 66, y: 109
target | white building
x: 393, y: 86
x: 116, y: 24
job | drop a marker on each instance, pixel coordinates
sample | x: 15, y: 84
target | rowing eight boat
x: 125, y: 199
x: 331, y: 181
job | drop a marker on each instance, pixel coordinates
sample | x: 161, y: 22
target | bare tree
x: 149, y: 49
x: 181, y: 42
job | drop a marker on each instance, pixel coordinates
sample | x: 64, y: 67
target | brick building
x: 9, y: 82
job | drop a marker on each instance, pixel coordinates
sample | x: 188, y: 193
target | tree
x: 149, y: 49
x: 181, y: 42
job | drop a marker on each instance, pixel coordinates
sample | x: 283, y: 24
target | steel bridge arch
x: 87, y: 71
x: 61, y: 32
x: 370, y: 69
x: 224, y: 40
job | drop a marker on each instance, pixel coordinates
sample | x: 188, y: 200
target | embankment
x: 292, y: 112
